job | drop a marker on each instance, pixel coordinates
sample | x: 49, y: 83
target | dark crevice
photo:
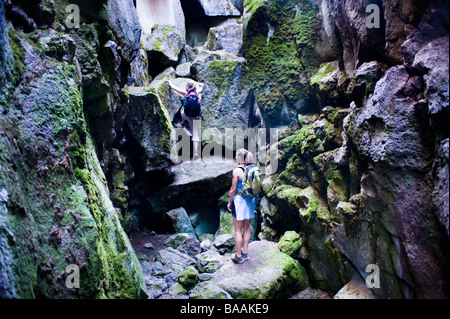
x: 197, y: 22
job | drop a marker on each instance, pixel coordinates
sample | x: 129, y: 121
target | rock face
x: 276, y: 31
x: 167, y: 12
x: 374, y: 159
x: 124, y: 22
x: 227, y: 36
x: 55, y: 207
x: 225, y: 103
x: 150, y: 125
x: 219, y: 8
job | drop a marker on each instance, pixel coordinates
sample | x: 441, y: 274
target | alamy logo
x: 73, y: 278
x: 373, y: 279
x: 373, y: 20
x: 73, y: 19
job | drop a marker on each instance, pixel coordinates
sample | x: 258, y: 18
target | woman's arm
x: 233, y: 188
x: 179, y: 91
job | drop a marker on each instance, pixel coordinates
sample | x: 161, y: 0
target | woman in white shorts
x: 242, y: 207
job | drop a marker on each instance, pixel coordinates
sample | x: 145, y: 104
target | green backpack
x: 252, y: 181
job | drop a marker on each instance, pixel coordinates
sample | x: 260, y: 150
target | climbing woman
x: 242, y: 207
x: 191, y: 111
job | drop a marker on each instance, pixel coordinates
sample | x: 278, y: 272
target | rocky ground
x: 178, y: 266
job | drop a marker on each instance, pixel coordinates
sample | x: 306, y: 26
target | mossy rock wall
x: 279, y: 45
x: 55, y: 208
x: 150, y: 125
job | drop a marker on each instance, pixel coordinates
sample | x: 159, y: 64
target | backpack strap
x: 239, y: 192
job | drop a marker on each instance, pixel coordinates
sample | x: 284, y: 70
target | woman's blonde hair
x: 249, y: 159
x: 242, y: 153
x: 245, y: 155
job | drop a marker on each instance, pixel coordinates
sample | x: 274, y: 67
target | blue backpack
x: 191, y: 103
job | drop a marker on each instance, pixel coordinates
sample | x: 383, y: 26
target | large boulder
x: 226, y: 103
x: 180, y: 220
x: 226, y: 36
x: 355, y: 289
x: 219, y: 8
x: 150, y: 125
x: 163, y: 45
x: 196, y: 184
x: 268, y: 274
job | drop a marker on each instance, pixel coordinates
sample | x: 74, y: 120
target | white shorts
x: 244, y: 207
x: 194, y: 124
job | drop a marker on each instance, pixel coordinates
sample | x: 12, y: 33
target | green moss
x: 324, y: 70
x: 107, y: 264
x: 293, y: 171
x: 55, y: 189
x: 288, y: 193
x: 160, y: 40
x: 337, y: 181
x: 223, y: 72
x: 189, y: 277
x: 251, y: 6
x: 18, y: 55
x: 294, y: 275
x: 311, y: 206
x: 290, y: 243
x: 318, y: 159
x: 280, y: 65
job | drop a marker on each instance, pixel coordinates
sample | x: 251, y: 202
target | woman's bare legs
x: 242, y: 240
x: 238, y: 225
x: 247, y: 235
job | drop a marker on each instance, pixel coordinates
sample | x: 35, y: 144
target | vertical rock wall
x: 55, y: 202
x: 373, y: 152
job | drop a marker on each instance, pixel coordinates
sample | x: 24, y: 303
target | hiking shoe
x: 244, y: 256
x: 237, y: 260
